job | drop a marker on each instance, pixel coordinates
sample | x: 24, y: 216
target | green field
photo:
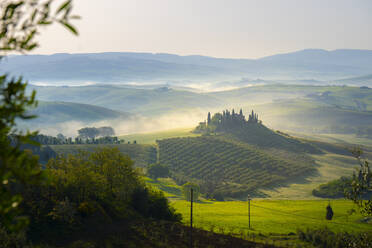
x: 271, y: 216
x: 150, y: 138
x: 268, y: 217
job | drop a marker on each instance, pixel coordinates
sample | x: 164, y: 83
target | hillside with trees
x: 252, y: 131
x: 236, y: 155
x: 234, y: 168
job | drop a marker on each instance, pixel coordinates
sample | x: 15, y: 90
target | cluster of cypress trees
x: 227, y: 120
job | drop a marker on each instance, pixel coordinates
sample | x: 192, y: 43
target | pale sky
x: 219, y: 28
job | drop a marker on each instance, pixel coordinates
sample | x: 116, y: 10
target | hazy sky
x: 220, y: 28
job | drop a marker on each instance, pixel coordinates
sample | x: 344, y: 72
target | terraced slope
x: 236, y: 167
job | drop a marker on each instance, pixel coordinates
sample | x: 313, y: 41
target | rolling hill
x: 365, y: 80
x: 126, y: 67
x: 238, y: 155
x: 295, y: 108
x: 313, y: 116
x: 61, y: 111
x: 128, y: 99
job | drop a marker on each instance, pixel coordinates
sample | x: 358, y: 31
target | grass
x: 273, y: 221
x: 271, y: 217
x: 330, y: 167
x: 347, y: 139
x: 167, y: 185
x: 150, y: 138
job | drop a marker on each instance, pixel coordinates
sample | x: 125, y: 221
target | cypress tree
x: 329, y: 214
x: 209, y: 118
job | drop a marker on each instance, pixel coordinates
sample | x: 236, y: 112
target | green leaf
x: 63, y: 6
x: 44, y: 22
x: 69, y: 27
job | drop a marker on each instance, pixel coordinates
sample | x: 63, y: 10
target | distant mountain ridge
x: 128, y: 66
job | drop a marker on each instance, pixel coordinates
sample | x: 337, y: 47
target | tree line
x: 226, y: 120
x: 87, y: 135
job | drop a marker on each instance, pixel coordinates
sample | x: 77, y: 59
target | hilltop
x: 235, y: 156
x: 251, y: 131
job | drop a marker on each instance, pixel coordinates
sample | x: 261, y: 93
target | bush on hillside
x: 333, y: 189
x: 157, y: 170
x: 186, y: 191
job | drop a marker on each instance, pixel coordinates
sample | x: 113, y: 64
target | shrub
x: 186, y: 190
x: 157, y: 170
x: 326, y: 238
x: 153, y: 204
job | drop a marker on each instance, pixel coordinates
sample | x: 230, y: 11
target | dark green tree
x: 157, y: 170
x: 20, y: 22
x: 209, y: 118
x: 329, y: 214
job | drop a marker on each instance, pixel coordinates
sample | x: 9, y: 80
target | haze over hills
x: 147, y: 67
x: 53, y: 112
x: 297, y: 108
x: 361, y: 80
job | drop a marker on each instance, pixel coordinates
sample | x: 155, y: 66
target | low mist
x: 136, y: 124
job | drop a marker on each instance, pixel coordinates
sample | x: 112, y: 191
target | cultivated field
x: 150, y: 138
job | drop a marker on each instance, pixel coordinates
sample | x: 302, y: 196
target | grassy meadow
x: 268, y: 217
x: 271, y: 217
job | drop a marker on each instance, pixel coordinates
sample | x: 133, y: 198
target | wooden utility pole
x: 249, y: 211
x: 191, y: 198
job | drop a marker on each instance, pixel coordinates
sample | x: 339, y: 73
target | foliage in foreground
x: 90, y: 191
x: 19, y: 25
x: 328, y: 239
